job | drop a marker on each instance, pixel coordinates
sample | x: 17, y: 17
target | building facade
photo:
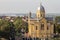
x: 40, y: 27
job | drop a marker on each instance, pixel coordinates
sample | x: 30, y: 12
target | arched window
x: 42, y: 26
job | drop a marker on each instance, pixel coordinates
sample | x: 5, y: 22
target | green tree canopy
x: 6, y: 28
x: 20, y: 24
x: 57, y: 24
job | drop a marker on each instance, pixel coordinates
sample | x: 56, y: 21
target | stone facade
x: 40, y: 27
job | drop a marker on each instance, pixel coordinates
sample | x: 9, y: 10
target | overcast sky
x: 25, y: 6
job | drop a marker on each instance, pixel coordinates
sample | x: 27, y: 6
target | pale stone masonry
x: 40, y: 27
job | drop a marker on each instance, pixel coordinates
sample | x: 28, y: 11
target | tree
x: 11, y: 30
x: 57, y: 23
x: 20, y: 24
x: 7, y: 28
x: 17, y: 22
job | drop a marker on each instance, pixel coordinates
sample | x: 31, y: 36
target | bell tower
x: 40, y: 12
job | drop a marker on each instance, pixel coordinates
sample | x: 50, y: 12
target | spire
x: 28, y: 19
x: 30, y: 14
x: 40, y: 2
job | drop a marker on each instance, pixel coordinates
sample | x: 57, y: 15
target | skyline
x: 25, y: 6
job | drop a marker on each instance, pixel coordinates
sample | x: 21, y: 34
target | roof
x: 41, y: 8
x: 49, y: 18
x: 35, y: 19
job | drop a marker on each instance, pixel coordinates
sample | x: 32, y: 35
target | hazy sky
x: 25, y: 6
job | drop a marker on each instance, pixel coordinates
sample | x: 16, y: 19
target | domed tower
x: 40, y: 12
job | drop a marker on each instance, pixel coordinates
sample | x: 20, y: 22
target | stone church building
x: 40, y: 26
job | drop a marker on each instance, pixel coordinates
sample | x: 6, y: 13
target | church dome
x: 41, y: 8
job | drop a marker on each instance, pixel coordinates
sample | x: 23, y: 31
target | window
x: 36, y: 28
x: 48, y: 26
x: 42, y: 26
x: 41, y: 15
